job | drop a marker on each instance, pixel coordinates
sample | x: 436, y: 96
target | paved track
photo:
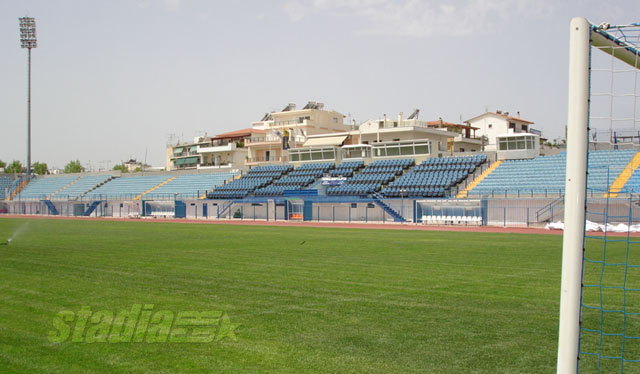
x: 377, y: 226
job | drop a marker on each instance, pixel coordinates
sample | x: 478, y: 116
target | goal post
x: 621, y: 43
x: 575, y: 195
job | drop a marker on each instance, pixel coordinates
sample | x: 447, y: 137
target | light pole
x: 28, y: 40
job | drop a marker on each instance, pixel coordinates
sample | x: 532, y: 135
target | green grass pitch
x: 307, y: 300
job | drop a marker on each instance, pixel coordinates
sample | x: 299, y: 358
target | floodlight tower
x: 28, y: 41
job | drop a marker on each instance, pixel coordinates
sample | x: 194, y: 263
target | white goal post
x: 583, y: 35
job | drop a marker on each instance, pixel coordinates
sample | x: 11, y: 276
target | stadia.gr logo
x: 141, y: 324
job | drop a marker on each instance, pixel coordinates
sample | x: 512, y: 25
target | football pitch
x: 282, y: 299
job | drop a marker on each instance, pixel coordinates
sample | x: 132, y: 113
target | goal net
x: 600, y: 291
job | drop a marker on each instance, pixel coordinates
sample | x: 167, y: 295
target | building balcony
x: 220, y: 148
x: 470, y: 140
x: 214, y: 167
x: 185, y: 154
x: 292, y: 123
x: 263, y: 140
x: 270, y: 140
x: 260, y: 160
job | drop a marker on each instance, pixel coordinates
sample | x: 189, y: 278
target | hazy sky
x: 112, y: 79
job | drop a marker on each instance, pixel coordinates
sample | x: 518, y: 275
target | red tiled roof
x: 237, y: 133
x: 511, y: 117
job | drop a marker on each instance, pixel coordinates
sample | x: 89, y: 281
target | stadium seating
x: 127, y: 187
x: 633, y: 184
x: 189, y: 186
x: 297, y: 179
x: 5, y: 186
x: 434, y: 177
x: 255, y: 178
x: 346, y: 169
x: 605, y: 167
x: 392, y: 178
x: 546, y: 174
x: 41, y: 187
x: 79, y: 187
x: 314, y: 170
x: 371, y: 179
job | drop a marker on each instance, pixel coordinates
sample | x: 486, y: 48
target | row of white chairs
x: 452, y: 220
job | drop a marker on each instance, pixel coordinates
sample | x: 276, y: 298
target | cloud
x: 294, y: 10
x: 423, y: 18
x: 172, y: 5
x: 144, y: 4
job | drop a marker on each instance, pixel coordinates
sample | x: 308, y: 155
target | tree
x: 2, y: 164
x: 121, y: 167
x: 138, y: 169
x: 73, y: 167
x: 14, y: 167
x: 40, y: 168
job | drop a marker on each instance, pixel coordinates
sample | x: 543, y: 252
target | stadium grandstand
x: 370, y: 189
x: 545, y: 175
x: 308, y: 164
x: 6, y: 182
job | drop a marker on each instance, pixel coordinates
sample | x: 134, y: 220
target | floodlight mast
x: 28, y: 40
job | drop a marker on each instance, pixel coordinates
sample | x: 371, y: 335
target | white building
x: 288, y: 129
x: 388, y: 138
x: 492, y: 125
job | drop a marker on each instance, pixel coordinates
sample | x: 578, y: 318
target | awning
x: 193, y: 148
x: 329, y: 140
x: 177, y: 150
x: 186, y: 160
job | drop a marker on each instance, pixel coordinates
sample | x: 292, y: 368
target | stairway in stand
x: 390, y: 211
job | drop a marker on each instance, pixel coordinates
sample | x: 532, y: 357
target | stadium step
x: 20, y: 187
x: 224, y: 209
x: 624, y: 176
x: 63, y: 188
x: 396, y: 216
x: 551, y: 210
x: 154, y: 187
x: 97, y: 186
x: 204, y: 195
x: 462, y: 194
x: 91, y: 208
x: 52, y: 208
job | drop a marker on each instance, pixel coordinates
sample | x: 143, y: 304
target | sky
x: 112, y: 80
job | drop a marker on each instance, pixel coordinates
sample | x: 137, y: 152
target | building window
x: 490, y: 125
x: 516, y: 143
x: 335, y: 120
x: 406, y: 148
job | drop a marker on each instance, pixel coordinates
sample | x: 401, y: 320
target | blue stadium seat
x: 545, y: 175
x: 434, y: 177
